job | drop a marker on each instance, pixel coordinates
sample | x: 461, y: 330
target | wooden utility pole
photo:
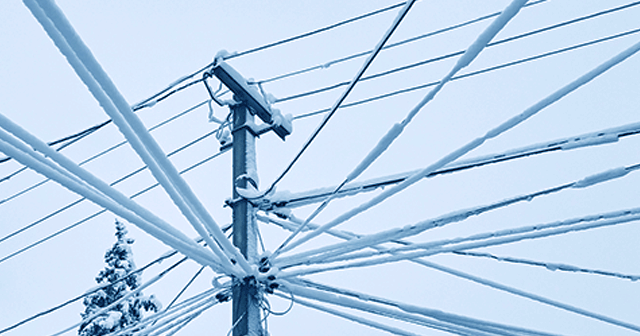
x: 246, y: 305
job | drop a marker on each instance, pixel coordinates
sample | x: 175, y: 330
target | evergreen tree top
x: 117, y: 273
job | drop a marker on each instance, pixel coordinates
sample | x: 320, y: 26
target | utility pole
x: 246, y: 312
x: 247, y: 102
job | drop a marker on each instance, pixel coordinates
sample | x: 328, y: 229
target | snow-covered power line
x: 475, y: 73
x: 549, y: 265
x: 337, y: 104
x: 101, y: 87
x: 130, y: 211
x: 612, y: 218
x: 95, y: 214
x: 419, y: 310
x: 389, y: 46
x: 509, y: 124
x: 396, y: 130
x: 460, y: 52
x: 449, y: 325
x: 286, y: 199
x: 339, y: 252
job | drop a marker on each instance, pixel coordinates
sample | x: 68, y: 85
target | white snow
x: 601, y: 177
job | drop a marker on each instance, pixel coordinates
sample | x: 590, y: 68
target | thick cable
x: 97, y: 213
x: 601, y: 137
x: 507, y: 125
x: 618, y: 216
x: 486, y: 326
x: 473, y: 73
x: 401, y: 15
x: 476, y: 47
x: 326, y: 253
x: 102, y: 88
x: 458, y: 53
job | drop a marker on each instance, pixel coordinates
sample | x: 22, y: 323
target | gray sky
x: 145, y: 46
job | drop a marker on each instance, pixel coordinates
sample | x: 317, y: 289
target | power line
x: 346, y: 92
x: 53, y: 235
x: 474, y: 73
x: 66, y: 303
x: 314, y: 32
x: 549, y: 266
x: 392, y: 45
x: 34, y: 186
x: 458, y: 53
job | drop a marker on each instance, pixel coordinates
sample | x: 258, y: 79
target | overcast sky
x: 144, y: 46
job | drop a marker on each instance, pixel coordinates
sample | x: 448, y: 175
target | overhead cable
x: 389, y: 46
x: 102, y: 88
x: 550, y: 266
x: 338, y: 102
x: 496, y: 131
x: 601, y: 137
x: 474, y: 73
x: 95, y: 214
x: 89, y: 292
x: 476, y: 47
x: 458, y: 53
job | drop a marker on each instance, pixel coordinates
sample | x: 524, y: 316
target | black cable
x: 185, y: 287
x: 460, y: 52
x: 51, y: 310
x: 34, y: 186
x: 474, y: 73
x: 344, y: 95
x: 392, y: 45
x: 53, y: 235
x: 314, y: 32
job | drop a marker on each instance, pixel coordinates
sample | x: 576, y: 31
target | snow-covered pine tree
x: 119, y: 282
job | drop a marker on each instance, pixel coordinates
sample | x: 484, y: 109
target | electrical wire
x: 458, y: 53
x: 474, y: 73
x: 548, y: 266
x: 24, y: 191
x: 392, y: 45
x: 314, y: 32
x: 95, y: 214
x: 345, y: 93
x: 51, y: 310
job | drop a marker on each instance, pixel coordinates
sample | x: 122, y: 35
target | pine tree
x: 116, y: 275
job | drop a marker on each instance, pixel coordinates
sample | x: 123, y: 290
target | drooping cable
x: 338, y: 102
